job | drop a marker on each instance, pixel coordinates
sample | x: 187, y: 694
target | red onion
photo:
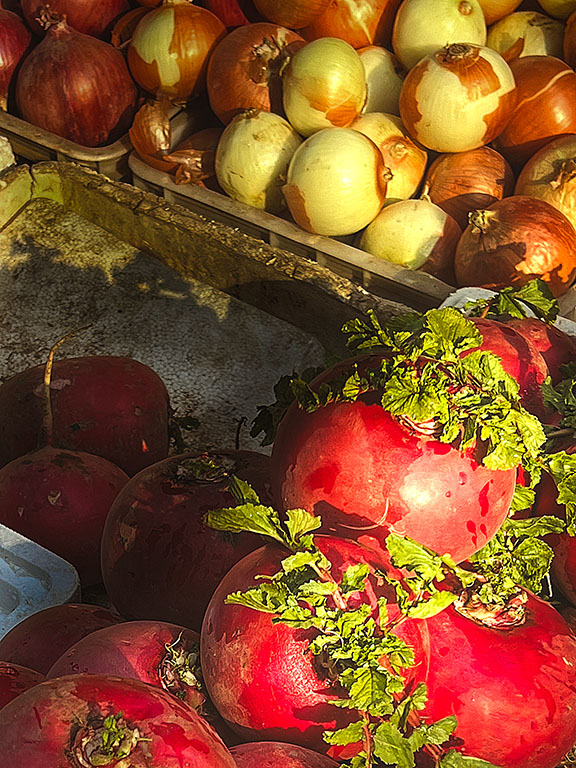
x: 92, y: 17
x: 14, y: 41
x: 76, y: 86
x: 234, y: 13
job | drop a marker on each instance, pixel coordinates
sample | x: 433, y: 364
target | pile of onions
x: 324, y: 85
x: 384, y: 78
x: 336, y: 182
x: 170, y: 48
x: 462, y: 182
x: 458, y: 99
x: 496, y: 9
x: 421, y: 28
x: 514, y: 241
x: 245, y: 68
x: 92, y: 17
x: 15, y: 39
x: 560, y: 9
x: 358, y: 22
x: 405, y: 160
x: 252, y: 159
x: 292, y: 13
x: 415, y: 234
x: 546, y: 107
x: 76, y: 86
x: 527, y: 33
x: 550, y: 175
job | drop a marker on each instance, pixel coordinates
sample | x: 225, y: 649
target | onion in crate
x: 15, y: 40
x: 358, y: 22
x: 91, y: 17
x: 292, y: 13
x: 384, y: 78
x: 494, y: 10
x: 560, y: 9
x: 527, y: 33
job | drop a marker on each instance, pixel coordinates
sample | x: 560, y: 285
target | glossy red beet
x: 275, y: 754
x: 15, y: 679
x: 38, y: 641
x: 159, y: 560
x: 155, y: 652
x: 114, y: 407
x: 61, y: 722
x: 260, y: 675
x: 513, y: 691
x: 556, y: 347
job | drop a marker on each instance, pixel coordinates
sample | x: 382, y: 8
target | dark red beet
x: 62, y: 723
x: 512, y: 691
x: 275, y: 754
x: 260, y: 675
x: 38, y: 641
x: 159, y: 560
x: 114, y: 407
x: 15, y: 679
x: 60, y: 500
x: 155, y: 652
x: 556, y: 347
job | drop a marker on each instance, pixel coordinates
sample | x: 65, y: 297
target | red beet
x: 512, y: 691
x: 260, y: 675
x: 556, y: 347
x: 63, y: 722
x: 38, y: 641
x: 15, y: 679
x: 155, y: 652
x: 60, y: 500
x: 114, y: 407
x: 275, y: 754
x: 159, y: 560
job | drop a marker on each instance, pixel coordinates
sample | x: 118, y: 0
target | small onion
x: 514, y: 241
x: 415, y: 234
x: 245, y: 68
x: 458, y: 99
x: 462, y: 182
x: 92, y: 17
x: 336, y: 182
x: 526, y: 33
x: 496, y: 9
x: 15, y: 40
x: 252, y: 159
x: 560, y: 9
x: 292, y: 13
x: 384, y: 78
x: 546, y: 107
x: 550, y: 175
x: 324, y: 85
x: 569, y: 44
x: 421, y: 28
x: 358, y: 22
x: 404, y: 159
x: 170, y: 48
x: 76, y: 86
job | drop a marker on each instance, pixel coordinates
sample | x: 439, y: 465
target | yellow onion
x: 494, y: 10
x: 384, y: 77
x: 252, y: 158
x: 170, y: 47
x: 550, y: 175
x: 415, y: 234
x: 336, y: 182
x: 293, y: 14
x: 458, y: 99
x: 422, y: 27
x: 527, y: 33
x: 324, y: 85
x: 560, y: 9
x: 405, y: 160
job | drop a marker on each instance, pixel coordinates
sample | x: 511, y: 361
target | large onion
x: 462, y: 182
x: 76, y: 86
x: 458, y: 98
x: 416, y: 234
x: 336, y: 182
x: 292, y: 13
x: 252, y: 159
x: 170, y: 48
x: 546, y: 107
x: 422, y: 27
x: 496, y: 9
x: 527, y: 33
x: 324, y: 85
x: 384, y: 78
x: 514, y: 241
x: 15, y: 39
x: 405, y: 160
x: 560, y: 9
x: 245, y: 68
x: 550, y: 175
x: 92, y: 17
x: 358, y: 22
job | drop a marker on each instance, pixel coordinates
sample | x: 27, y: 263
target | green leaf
x: 349, y: 735
x: 407, y: 553
x: 298, y: 561
x: 535, y: 296
x: 242, y: 491
x: 369, y: 689
x: 523, y: 498
x: 436, y: 733
x: 354, y: 578
x: 436, y: 603
x: 453, y: 759
x: 449, y: 333
x: 299, y: 523
x: 562, y: 467
x: 255, y: 599
x: 392, y: 748
x: 247, y: 517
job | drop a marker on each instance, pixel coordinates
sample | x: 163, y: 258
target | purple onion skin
x: 91, y: 17
x: 15, y: 38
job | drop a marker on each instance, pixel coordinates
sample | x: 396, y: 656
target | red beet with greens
x: 159, y: 560
x: 84, y: 720
x: 556, y: 347
x: 275, y: 754
x: 15, y: 679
